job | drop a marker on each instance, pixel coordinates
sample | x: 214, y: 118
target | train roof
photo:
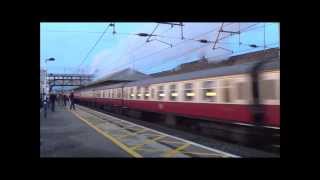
x: 118, y: 85
x: 274, y: 63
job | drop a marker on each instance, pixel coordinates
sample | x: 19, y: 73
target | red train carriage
x: 223, y: 94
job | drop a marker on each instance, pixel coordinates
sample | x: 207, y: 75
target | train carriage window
x: 268, y: 89
x: 119, y: 93
x: 188, y: 92
x: 131, y: 93
x: 152, y: 93
x: 209, y: 91
x: 138, y: 93
x: 242, y: 90
x: 226, y: 91
x: 114, y: 93
x: 160, y: 92
x: 173, y: 92
x: 278, y: 89
x: 146, y: 92
x: 128, y: 93
x: 125, y: 93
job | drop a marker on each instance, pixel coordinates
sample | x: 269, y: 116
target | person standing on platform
x: 60, y: 99
x: 65, y: 99
x: 45, y: 105
x: 52, y: 100
x: 71, y: 97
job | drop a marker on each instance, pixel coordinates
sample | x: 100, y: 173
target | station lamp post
x: 46, y: 75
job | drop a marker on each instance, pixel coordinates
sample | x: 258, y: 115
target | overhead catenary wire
x: 211, y: 57
x: 151, y: 54
x: 247, y: 29
x: 148, y: 39
x: 175, y: 45
x: 137, y: 59
x: 141, y: 34
x: 143, y: 44
x: 179, y: 55
x: 252, y: 46
x: 95, y: 44
x: 139, y: 47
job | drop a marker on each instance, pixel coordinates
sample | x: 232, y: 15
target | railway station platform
x: 62, y: 134
x: 88, y: 133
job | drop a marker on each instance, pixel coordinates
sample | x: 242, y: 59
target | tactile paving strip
x: 144, y: 141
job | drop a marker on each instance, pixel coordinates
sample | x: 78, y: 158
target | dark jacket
x: 71, y: 97
x: 52, y: 97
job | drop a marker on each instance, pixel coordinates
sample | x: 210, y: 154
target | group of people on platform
x: 62, y: 99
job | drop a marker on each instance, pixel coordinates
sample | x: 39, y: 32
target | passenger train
x: 221, y: 94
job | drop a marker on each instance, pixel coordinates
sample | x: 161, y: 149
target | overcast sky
x: 69, y: 43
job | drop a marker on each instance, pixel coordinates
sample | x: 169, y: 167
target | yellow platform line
x: 147, y: 142
x: 125, y: 132
x: 172, y: 152
x: 174, y: 142
x: 204, y: 154
x: 132, y: 134
x: 112, y: 139
x: 149, y: 149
